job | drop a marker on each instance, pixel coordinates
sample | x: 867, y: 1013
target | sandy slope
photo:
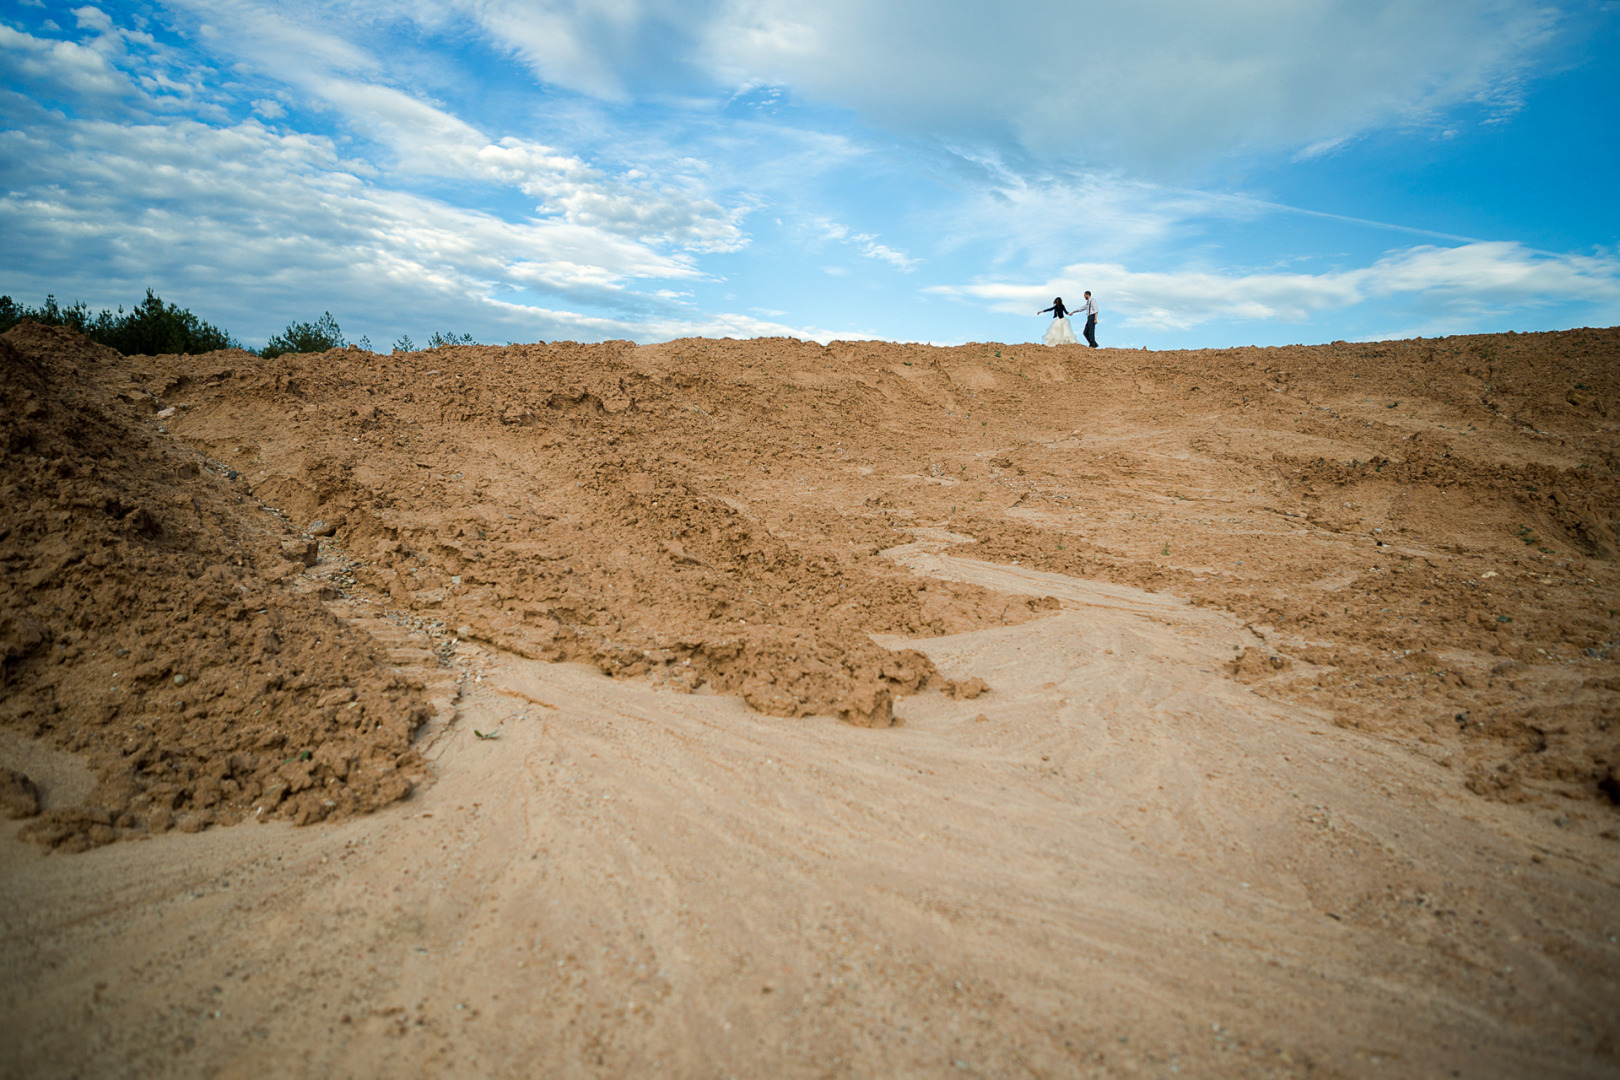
x: 1296, y: 758
x: 1130, y: 863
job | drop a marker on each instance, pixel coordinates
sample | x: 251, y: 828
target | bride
x: 1061, y: 333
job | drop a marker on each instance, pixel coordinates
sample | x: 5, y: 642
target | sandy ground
x: 1286, y: 767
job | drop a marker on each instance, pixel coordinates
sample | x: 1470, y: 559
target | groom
x: 1091, y: 320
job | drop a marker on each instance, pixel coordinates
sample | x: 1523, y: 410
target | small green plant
x: 441, y: 340
x: 486, y: 734
x: 404, y: 344
x: 306, y: 337
x: 1166, y: 550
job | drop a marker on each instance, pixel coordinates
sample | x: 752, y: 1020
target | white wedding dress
x: 1061, y: 333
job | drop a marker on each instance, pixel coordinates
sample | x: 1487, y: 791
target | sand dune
x: 1297, y: 755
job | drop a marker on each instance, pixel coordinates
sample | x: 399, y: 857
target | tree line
x: 154, y: 328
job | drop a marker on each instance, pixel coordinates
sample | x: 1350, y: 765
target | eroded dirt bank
x: 1403, y: 554
x: 151, y: 619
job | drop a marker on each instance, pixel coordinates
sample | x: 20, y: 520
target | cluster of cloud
x: 425, y: 139
x: 256, y: 213
x: 1471, y: 279
x: 110, y: 190
x: 1154, y: 83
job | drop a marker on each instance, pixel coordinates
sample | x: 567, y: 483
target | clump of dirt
x: 19, y: 798
x: 966, y: 689
x: 149, y: 622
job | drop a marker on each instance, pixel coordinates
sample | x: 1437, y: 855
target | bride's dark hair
x: 1057, y: 300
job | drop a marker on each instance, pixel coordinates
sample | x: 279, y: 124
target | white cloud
x: 1321, y: 148
x: 586, y: 45
x: 716, y: 325
x: 1043, y: 221
x: 1497, y: 275
x: 1473, y: 278
x: 865, y: 244
x: 65, y: 68
x: 282, y: 35
x: 873, y: 250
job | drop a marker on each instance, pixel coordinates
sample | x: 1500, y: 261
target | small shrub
x: 155, y: 328
x: 304, y: 337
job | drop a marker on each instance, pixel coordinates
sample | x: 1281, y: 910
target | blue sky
x: 1255, y: 172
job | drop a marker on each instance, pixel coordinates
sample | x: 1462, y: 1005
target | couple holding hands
x: 1061, y: 332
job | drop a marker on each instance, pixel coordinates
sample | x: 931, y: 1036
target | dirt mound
x: 149, y: 623
x: 1302, y: 756
x: 564, y: 503
x: 1424, y: 534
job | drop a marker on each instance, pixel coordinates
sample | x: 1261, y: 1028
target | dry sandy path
x: 1131, y: 865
